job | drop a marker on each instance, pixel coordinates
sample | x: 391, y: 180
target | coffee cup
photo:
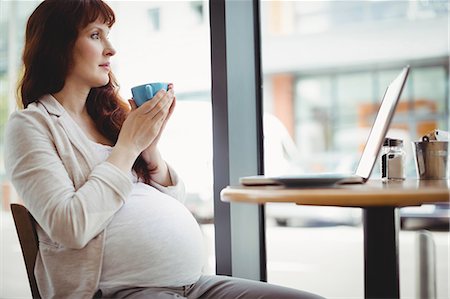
x: 145, y: 92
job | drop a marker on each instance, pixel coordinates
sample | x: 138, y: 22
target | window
x: 325, y: 67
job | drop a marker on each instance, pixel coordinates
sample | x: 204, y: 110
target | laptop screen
x: 381, y: 125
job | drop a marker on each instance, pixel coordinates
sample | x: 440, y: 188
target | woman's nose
x: 109, y: 49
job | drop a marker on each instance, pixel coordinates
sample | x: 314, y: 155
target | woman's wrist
x: 122, y: 157
x: 157, y: 167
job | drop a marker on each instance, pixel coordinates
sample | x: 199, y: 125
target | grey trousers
x: 213, y: 287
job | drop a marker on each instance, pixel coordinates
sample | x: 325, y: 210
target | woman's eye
x: 95, y: 36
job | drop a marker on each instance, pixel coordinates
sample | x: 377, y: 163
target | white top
x: 152, y: 241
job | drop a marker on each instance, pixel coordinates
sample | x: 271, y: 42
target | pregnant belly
x: 153, y: 240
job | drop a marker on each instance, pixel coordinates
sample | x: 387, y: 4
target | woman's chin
x: 101, y: 83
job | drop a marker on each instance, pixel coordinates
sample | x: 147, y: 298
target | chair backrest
x: 26, y: 230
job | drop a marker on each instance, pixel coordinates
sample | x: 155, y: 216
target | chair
x: 26, y: 230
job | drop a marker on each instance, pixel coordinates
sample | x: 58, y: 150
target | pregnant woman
x: 109, y: 211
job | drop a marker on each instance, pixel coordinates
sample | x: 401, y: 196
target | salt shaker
x: 392, y: 160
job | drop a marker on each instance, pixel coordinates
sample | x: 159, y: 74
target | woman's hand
x: 151, y: 155
x: 142, y: 129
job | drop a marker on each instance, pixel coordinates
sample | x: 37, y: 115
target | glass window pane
x: 326, y: 66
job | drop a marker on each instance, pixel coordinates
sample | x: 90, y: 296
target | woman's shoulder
x: 32, y: 119
x: 28, y: 116
x: 42, y: 109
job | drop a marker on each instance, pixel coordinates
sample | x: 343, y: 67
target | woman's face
x: 91, y: 56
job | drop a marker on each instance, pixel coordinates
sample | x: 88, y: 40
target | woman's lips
x: 105, y: 65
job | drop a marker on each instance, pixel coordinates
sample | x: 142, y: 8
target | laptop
x: 369, y: 155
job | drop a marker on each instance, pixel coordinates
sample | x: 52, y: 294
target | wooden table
x: 379, y: 201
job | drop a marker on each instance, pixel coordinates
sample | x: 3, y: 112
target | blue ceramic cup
x: 145, y: 92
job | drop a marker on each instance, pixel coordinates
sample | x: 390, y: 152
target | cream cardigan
x: 71, y: 194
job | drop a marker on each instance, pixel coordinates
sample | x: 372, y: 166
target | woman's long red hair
x: 51, y: 32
